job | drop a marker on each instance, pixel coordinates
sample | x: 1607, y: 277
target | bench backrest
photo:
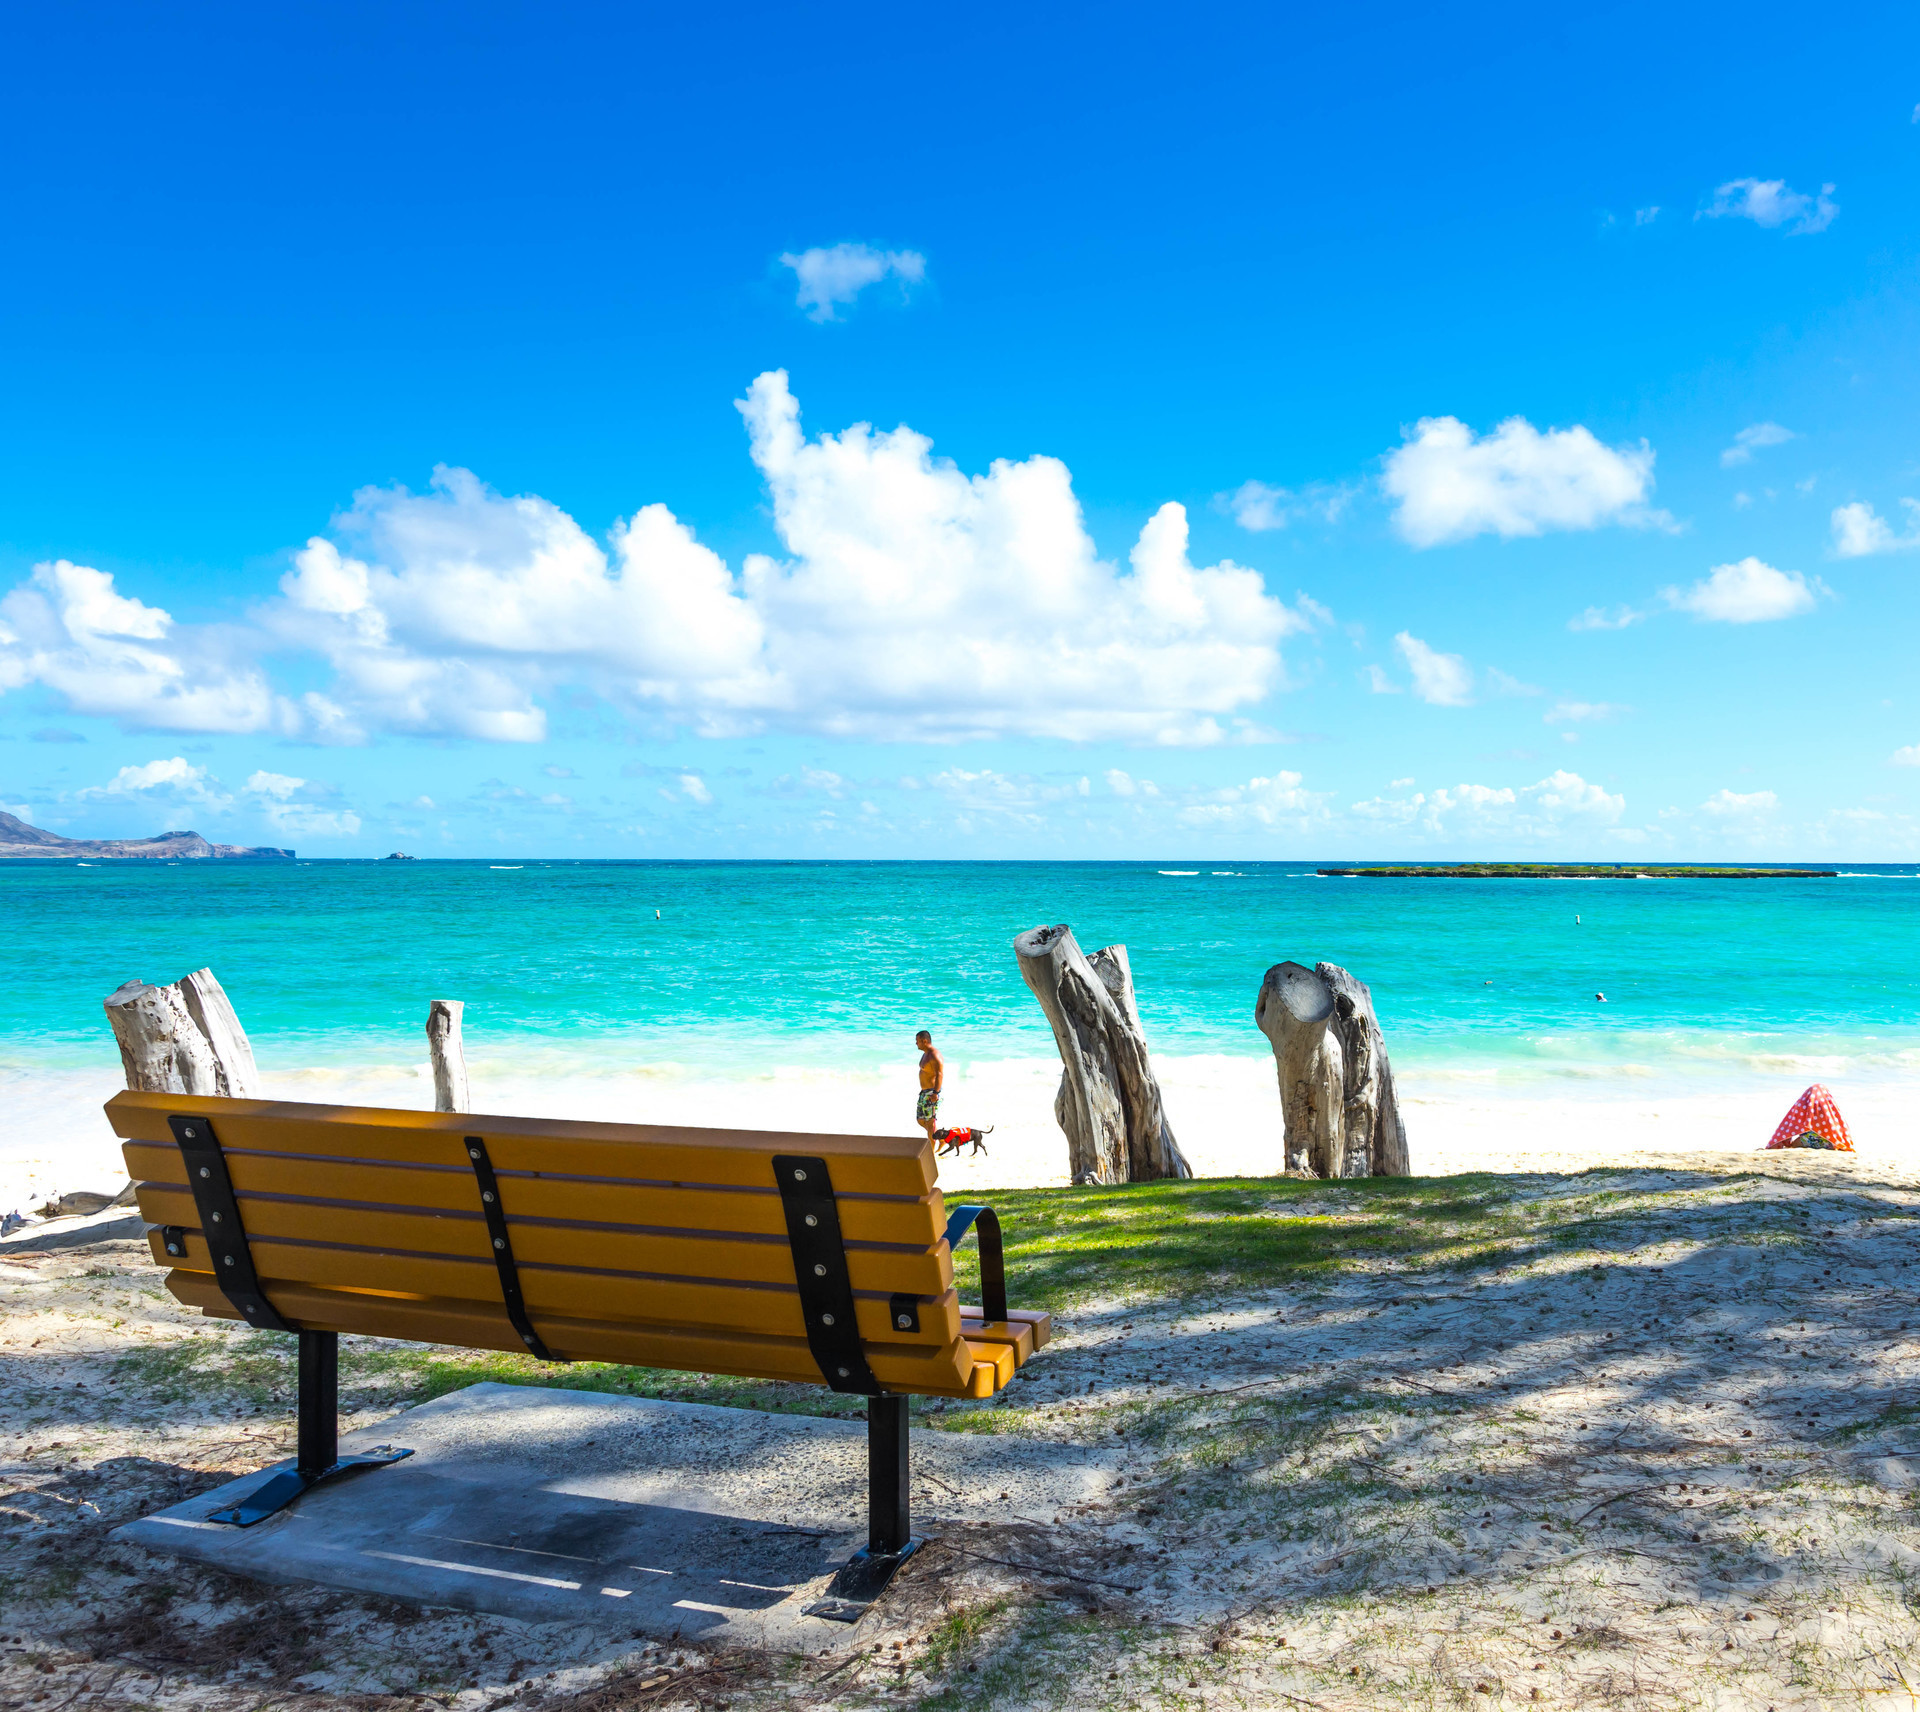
x: 644, y: 1244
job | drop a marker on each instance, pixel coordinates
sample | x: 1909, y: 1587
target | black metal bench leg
x: 889, y: 1482
x: 317, y: 1456
x: 890, y: 1540
x: 319, y: 1403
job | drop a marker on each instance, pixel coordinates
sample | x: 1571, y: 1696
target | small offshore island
x: 1576, y: 871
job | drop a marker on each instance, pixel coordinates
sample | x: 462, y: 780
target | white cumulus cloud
x: 1907, y: 757
x: 1725, y: 804
x: 298, y: 808
x: 175, y: 777
x: 1581, y: 711
x: 912, y: 602
x: 1601, y: 618
x: 1451, y: 485
x: 831, y: 277
x: 1772, y: 202
x: 1270, y: 801
x: 68, y: 629
x: 1538, y: 811
x: 454, y: 608
x: 1747, y: 592
x: 1751, y: 439
x: 1859, y: 530
x: 1445, y: 680
x: 907, y: 581
x: 1257, y: 507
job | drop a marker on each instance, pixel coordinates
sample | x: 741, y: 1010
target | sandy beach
x: 1225, y: 1111
x: 1632, y: 1438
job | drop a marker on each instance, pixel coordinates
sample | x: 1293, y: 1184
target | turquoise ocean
x: 718, y: 973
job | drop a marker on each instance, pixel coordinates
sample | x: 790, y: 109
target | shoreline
x: 1225, y: 1111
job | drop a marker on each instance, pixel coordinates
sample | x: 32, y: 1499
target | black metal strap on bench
x: 496, y: 1218
x: 820, y: 1271
x: 220, y: 1223
x: 833, y: 1334
x: 318, y: 1457
x: 993, y: 1263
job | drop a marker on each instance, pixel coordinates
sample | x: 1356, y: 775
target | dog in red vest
x: 952, y: 1140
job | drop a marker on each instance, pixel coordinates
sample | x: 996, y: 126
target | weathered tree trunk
x: 448, y: 1055
x: 1295, y: 1011
x: 1108, y: 1103
x: 1337, y: 1096
x: 1376, y: 1144
x: 182, y: 1039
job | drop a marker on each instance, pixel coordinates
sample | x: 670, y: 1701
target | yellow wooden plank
x: 898, y: 1165
x: 753, y: 1212
x: 993, y: 1365
x: 375, y: 1242
x: 953, y: 1370
x: 1017, y: 1337
x: 694, y: 1302
x: 1038, y: 1322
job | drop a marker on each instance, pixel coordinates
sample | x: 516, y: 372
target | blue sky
x: 608, y: 431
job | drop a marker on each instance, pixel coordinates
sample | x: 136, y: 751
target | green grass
x: 1066, y: 1248
x: 258, y: 1367
x: 1174, y: 1240
x: 1036, y: 1663
x: 954, y: 1637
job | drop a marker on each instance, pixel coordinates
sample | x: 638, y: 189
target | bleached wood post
x: 182, y: 1039
x: 1337, y: 1097
x: 1109, y: 1103
x: 1293, y: 1011
x: 448, y: 1055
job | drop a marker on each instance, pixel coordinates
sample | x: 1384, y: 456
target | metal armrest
x: 993, y: 1265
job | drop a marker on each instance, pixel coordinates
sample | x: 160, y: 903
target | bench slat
x: 1016, y: 1336
x: 958, y: 1369
x: 714, y: 1300
x: 1035, y: 1320
x: 756, y: 1212
x: 742, y: 1259
x: 858, y: 1164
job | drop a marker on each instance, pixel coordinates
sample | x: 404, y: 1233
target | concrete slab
x: 667, y: 1520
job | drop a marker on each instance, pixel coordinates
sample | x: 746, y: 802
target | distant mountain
x: 21, y: 842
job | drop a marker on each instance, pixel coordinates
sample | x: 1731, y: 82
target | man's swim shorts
x: 926, y: 1106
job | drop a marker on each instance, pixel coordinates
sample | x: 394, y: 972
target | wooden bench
x: 824, y: 1260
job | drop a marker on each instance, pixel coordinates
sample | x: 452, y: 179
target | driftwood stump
x: 182, y: 1039
x: 1108, y: 1104
x: 448, y: 1055
x: 1337, y: 1097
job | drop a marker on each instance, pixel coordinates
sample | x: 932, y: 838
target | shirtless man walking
x: 933, y: 1075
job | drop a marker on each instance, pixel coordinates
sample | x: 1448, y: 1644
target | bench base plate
x: 285, y: 1481
x: 861, y: 1580
x: 638, y: 1517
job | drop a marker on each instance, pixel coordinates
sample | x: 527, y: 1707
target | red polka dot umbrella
x: 1814, y: 1121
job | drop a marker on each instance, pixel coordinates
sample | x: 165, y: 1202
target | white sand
x: 1225, y: 1111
